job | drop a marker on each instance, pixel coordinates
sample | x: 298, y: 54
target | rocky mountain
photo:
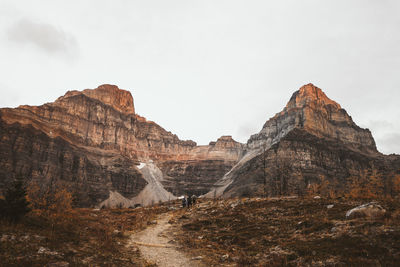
x: 93, y: 142
x: 311, y: 141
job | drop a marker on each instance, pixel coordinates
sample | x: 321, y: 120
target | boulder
x: 369, y: 210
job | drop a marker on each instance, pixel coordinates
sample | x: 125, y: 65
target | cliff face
x: 310, y: 109
x: 89, y: 173
x: 312, y: 140
x: 204, y: 166
x: 94, y: 140
x: 300, y: 160
x: 83, y: 118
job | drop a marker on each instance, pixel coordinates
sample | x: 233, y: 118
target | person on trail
x: 184, y: 202
x: 189, y: 200
x: 194, y: 198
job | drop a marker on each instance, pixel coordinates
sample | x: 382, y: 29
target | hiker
x: 189, y: 200
x: 184, y: 201
x: 194, y: 198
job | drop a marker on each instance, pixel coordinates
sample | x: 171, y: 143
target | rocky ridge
x: 311, y: 140
x: 93, y: 140
x: 310, y: 109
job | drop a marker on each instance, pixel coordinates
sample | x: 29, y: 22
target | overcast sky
x: 202, y: 69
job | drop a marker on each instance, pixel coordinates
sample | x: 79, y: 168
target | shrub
x: 52, y: 202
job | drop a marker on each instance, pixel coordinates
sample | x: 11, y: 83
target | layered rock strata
x: 204, y: 166
x: 310, y: 109
x: 89, y: 173
x: 312, y: 140
x: 93, y: 141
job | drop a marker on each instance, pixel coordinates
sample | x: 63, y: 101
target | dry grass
x: 247, y: 232
x: 288, y: 232
x: 81, y: 237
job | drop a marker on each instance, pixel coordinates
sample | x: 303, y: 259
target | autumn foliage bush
x: 373, y: 185
x: 49, y: 200
x: 51, y: 203
x: 368, y: 184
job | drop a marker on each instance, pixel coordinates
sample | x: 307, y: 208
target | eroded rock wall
x: 301, y: 159
x: 88, y: 173
x: 310, y: 109
x: 94, y: 142
x: 312, y: 137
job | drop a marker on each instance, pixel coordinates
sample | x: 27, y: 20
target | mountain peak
x: 310, y: 93
x: 121, y: 100
x: 311, y: 110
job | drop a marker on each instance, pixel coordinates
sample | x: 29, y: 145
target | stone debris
x: 58, y: 264
x: 224, y: 257
x: 46, y: 251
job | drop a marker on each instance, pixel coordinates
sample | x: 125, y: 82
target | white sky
x: 202, y: 69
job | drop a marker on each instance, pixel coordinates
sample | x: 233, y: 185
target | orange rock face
x: 99, y: 127
x: 119, y: 99
x: 93, y: 141
x: 308, y: 94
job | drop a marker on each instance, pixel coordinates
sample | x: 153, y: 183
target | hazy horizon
x: 210, y: 68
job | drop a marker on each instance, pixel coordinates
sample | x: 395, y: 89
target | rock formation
x: 310, y: 109
x: 312, y: 140
x: 92, y: 141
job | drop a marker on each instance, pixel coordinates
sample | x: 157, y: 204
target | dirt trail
x: 154, y: 245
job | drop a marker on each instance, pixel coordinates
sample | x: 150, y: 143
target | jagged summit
x: 307, y: 94
x: 311, y: 110
x: 93, y: 142
x: 121, y: 100
x: 310, y: 140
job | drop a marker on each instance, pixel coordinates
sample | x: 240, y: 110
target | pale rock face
x: 154, y: 191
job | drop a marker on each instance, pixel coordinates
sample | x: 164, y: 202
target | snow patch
x: 141, y: 165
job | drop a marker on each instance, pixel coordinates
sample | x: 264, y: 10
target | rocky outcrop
x: 82, y: 118
x: 312, y: 141
x: 204, y: 166
x: 370, y: 210
x: 121, y: 100
x: 310, y: 109
x: 89, y: 173
x: 92, y: 140
x: 300, y: 160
